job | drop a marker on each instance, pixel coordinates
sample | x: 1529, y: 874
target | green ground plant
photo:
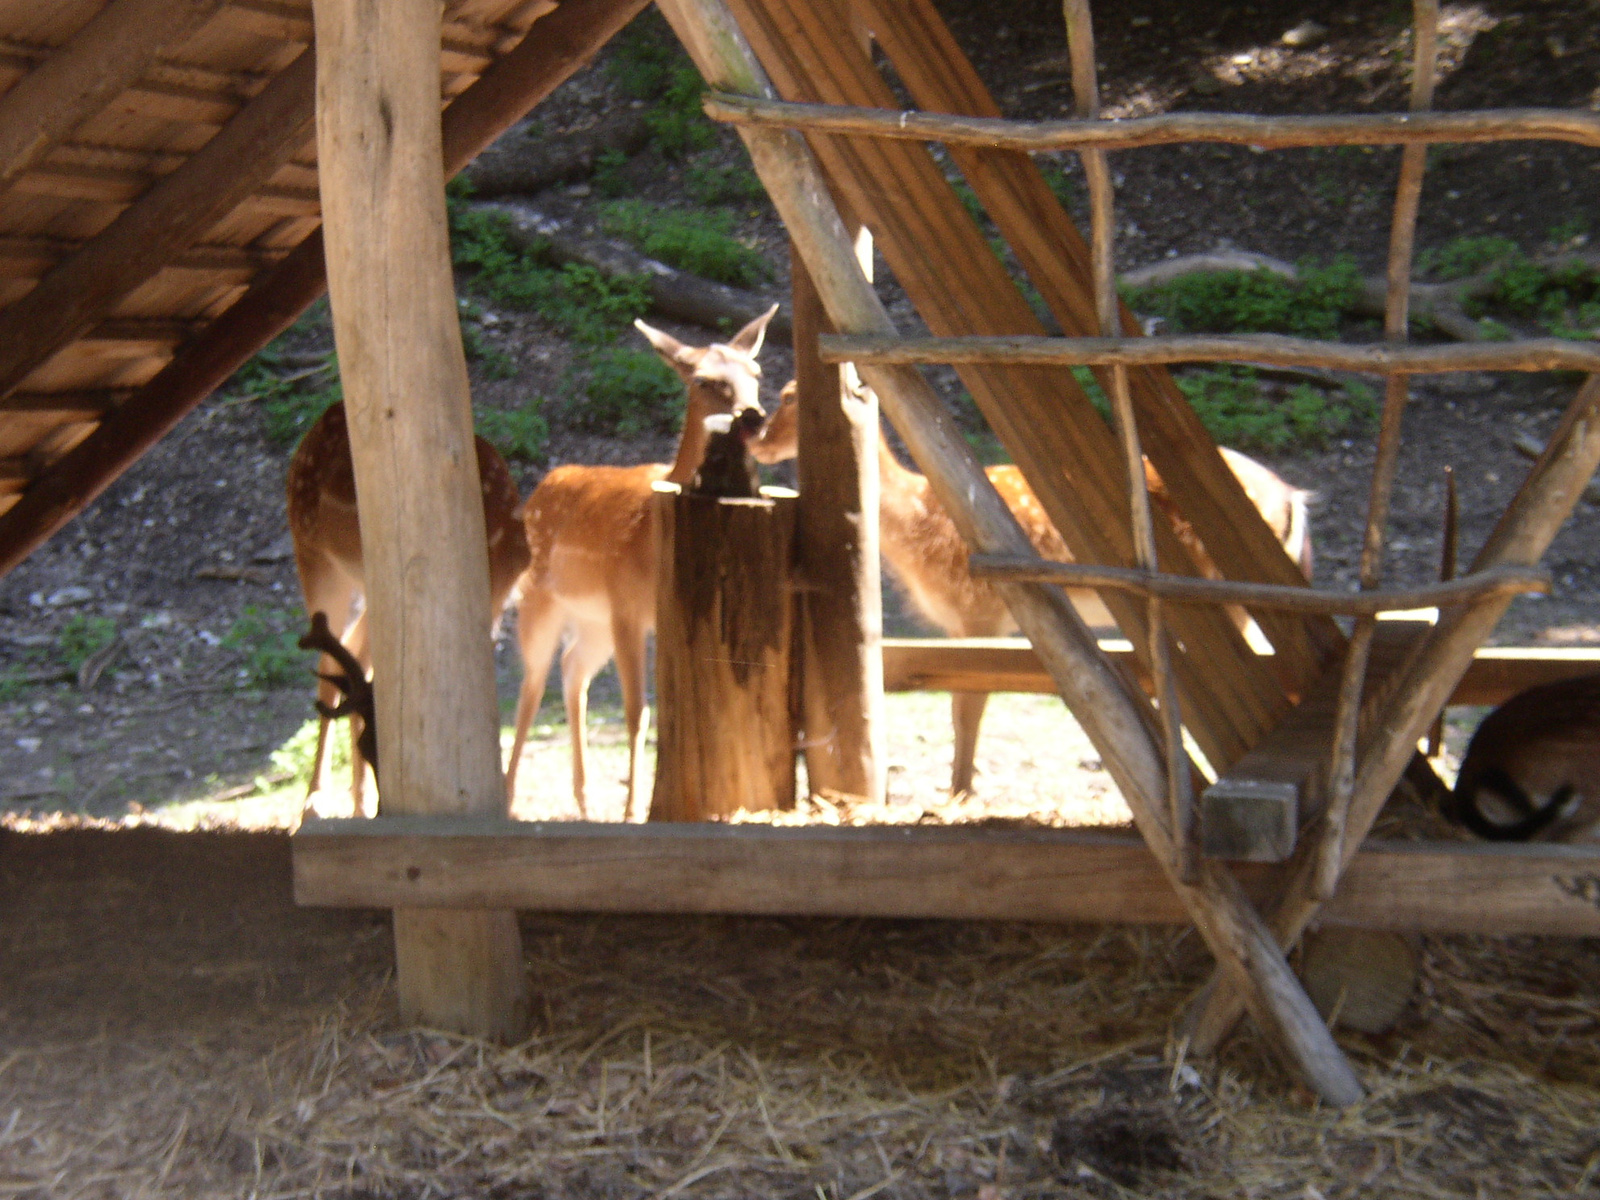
x: 268, y: 640
x: 82, y: 637
x: 1314, y: 305
x: 518, y: 433
x: 699, y: 242
x: 710, y: 182
x: 648, y: 64
x: 628, y: 392
x: 1563, y: 298
x: 1236, y: 411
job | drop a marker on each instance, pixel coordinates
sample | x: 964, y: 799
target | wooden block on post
x: 842, y: 616
x: 396, y: 325
x: 724, y: 655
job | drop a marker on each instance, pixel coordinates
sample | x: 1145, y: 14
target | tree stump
x: 724, y: 655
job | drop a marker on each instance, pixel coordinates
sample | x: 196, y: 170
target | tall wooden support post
x: 724, y: 655
x: 842, y: 615
x: 427, y: 575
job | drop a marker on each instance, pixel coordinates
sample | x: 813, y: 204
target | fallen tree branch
x: 523, y: 164
x: 673, y: 293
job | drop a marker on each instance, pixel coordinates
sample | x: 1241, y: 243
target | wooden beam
x: 1496, y: 673
x: 103, y: 59
x: 93, y: 403
x: 1119, y: 722
x: 1530, y: 354
x: 842, y: 606
x: 1167, y: 129
x: 15, y: 472
x: 567, y: 40
x: 1463, y: 589
x: 31, y: 257
x: 172, y: 216
x: 963, y: 873
x: 425, y: 563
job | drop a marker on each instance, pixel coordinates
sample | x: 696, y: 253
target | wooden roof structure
x: 160, y: 214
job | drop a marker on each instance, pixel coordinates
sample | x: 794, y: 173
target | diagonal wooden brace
x: 1118, y: 720
x: 1399, y: 714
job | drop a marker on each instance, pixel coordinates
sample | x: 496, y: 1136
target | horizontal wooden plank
x: 29, y: 257
x: 902, y: 871
x: 92, y: 403
x: 1010, y: 665
x: 1180, y: 589
x: 1269, y: 132
x: 1530, y: 354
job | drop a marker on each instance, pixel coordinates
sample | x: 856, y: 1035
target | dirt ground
x: 170, y: 1024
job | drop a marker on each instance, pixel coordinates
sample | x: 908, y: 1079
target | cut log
x: 524, y: 163
x: 724, y: 655
x: 1360, y: 979
x: 397, y: 328
x: 673, y: 293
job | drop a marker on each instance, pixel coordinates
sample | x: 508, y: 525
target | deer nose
x: 751, y: 420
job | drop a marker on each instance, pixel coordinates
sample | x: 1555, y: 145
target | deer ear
x: 749, y: 338
x: 682, y: 359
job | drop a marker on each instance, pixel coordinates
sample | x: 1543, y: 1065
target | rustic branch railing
x: 1268, y: 349
x: 1187, y: 589
x: 1270, y: 133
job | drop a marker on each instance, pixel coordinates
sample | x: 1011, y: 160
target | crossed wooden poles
x: 1140, y: 746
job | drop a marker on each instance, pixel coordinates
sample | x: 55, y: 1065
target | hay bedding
x: 170, y: 1025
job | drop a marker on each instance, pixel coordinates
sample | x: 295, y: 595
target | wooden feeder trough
x: 288, y: 170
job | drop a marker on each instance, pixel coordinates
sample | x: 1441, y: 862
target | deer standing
x: 1536, y: 761
x: 929, y: 558
x: 593, y: 541
x: 327, y: 553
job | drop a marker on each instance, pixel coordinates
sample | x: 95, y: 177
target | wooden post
x: 842, y: 616
x: 395, y: 322
x: 724, y: 650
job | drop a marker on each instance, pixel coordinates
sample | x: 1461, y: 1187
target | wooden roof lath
x: 160, y: 218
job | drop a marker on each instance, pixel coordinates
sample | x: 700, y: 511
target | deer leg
x: 629, y: 641
x: 966, y: 711
x: 355, y: 640
x: 585, y: 654
x: 328, y: 590
x: 539, y: 622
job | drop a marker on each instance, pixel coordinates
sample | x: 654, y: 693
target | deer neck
x: 691, y: 447
x: 903, y: 495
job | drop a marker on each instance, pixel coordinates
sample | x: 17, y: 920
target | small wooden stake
x: 724, y: 642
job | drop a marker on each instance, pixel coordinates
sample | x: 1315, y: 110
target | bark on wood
x: 1533, y: 354
x: 1274, y: 133
x: 673, y: 293
x: 526, y: 162
x: 566, y: 40
x: 842, y: 608
x: 724, y: 656
x: 966, y: 873
x: 380, y: 155
x: 1119, y: 722
x: 103, y: 59
x: 1509, y: 580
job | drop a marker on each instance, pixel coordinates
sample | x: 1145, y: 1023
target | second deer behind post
x: 929, y: 558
